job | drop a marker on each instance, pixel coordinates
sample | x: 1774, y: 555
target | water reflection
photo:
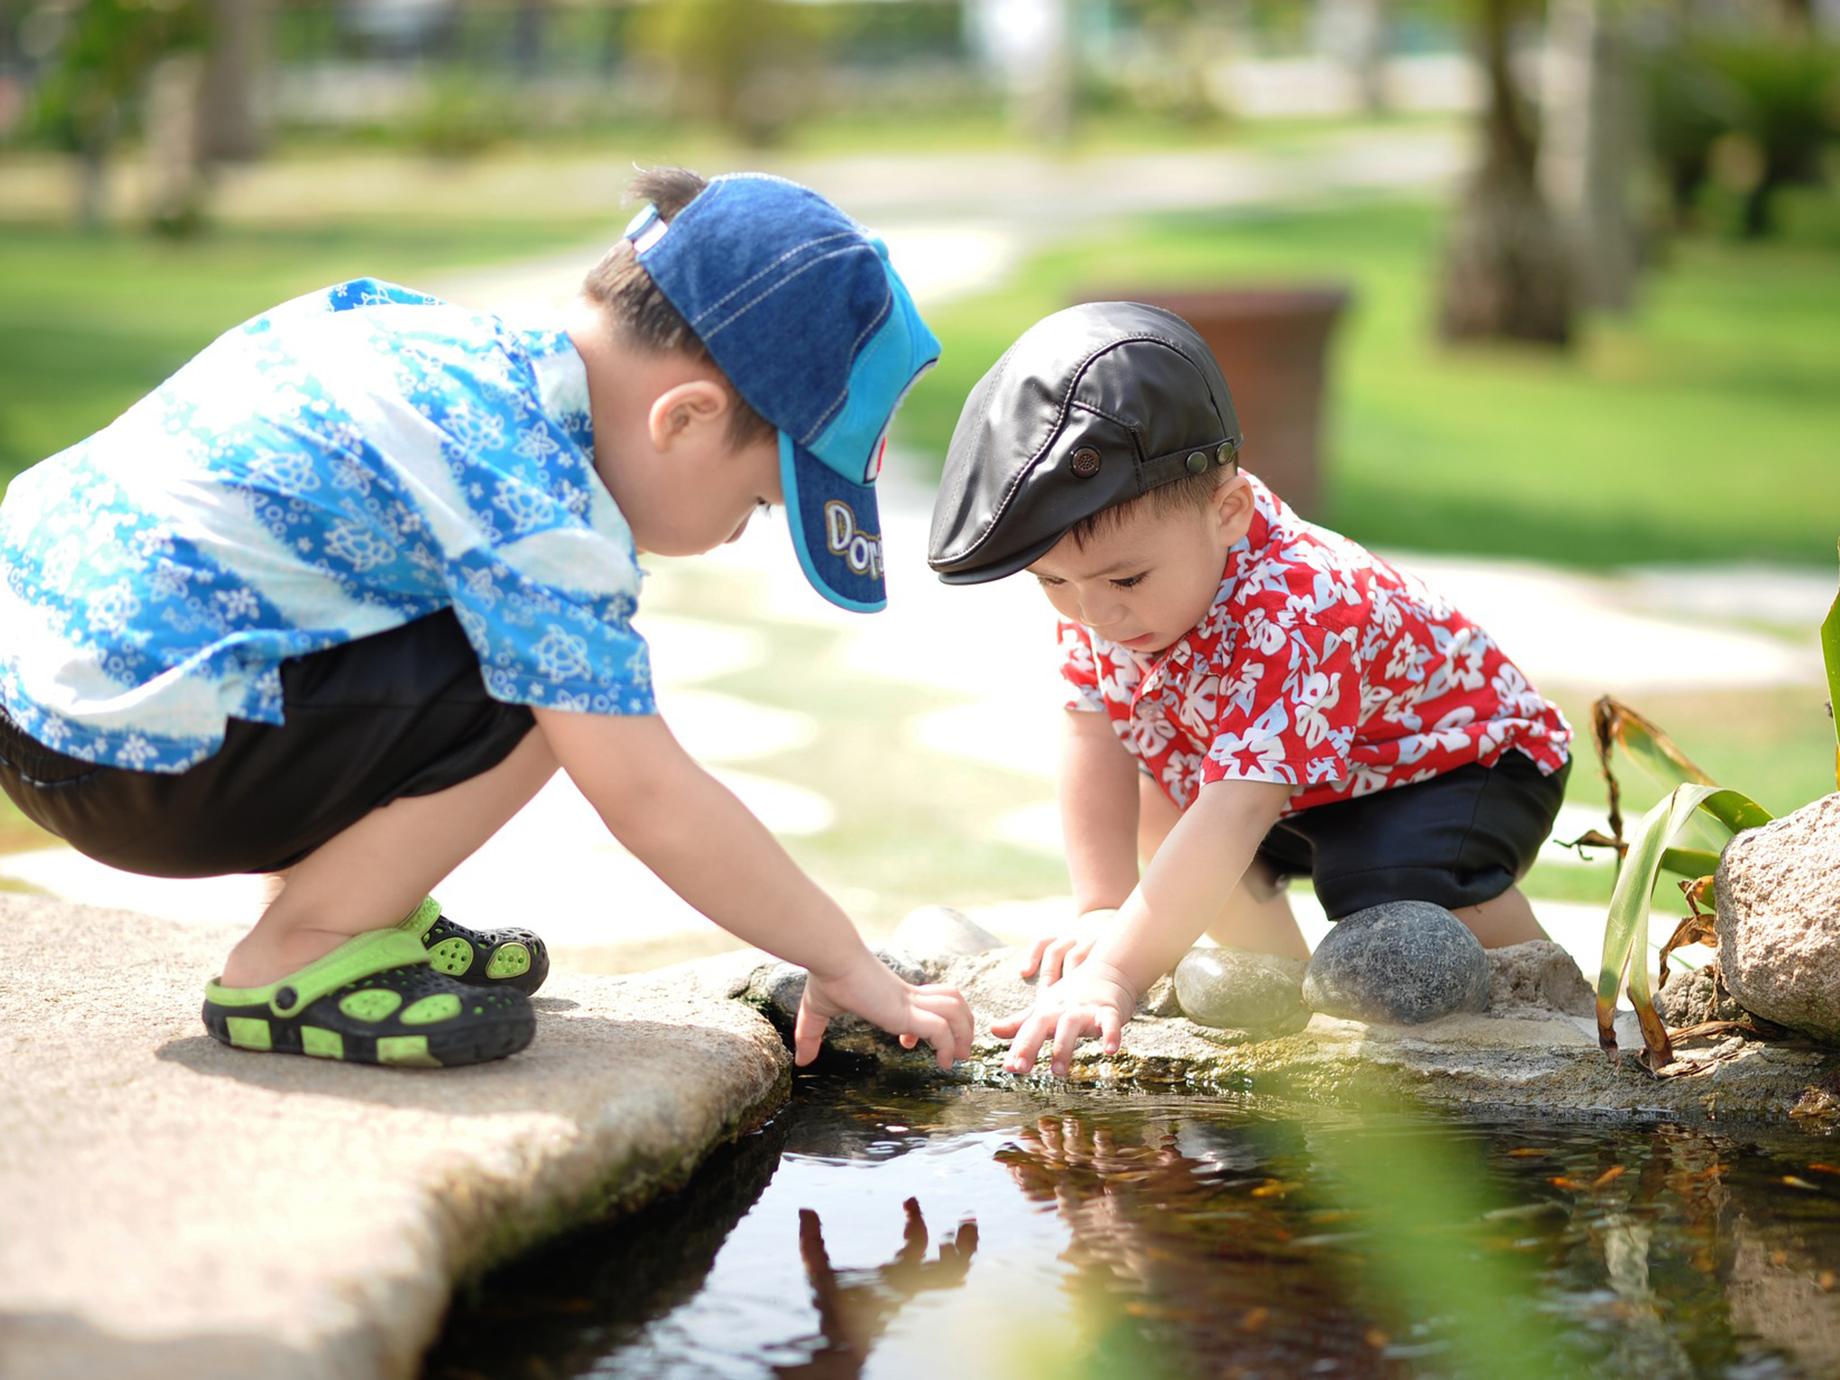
x: 1190, y: 1236
x: 1201, y: 1253
x: 855, y: 1306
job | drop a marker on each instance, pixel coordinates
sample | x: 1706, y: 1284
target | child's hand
x: 869, y: 989
x: 1056, y: 955
x: 1094, y: 1001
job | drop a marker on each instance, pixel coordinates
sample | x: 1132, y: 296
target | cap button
x: 1085, y: 462
x: 1196, y: 463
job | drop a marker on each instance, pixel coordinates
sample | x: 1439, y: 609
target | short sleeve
x: 1079, y: 668
x: 537, y: 560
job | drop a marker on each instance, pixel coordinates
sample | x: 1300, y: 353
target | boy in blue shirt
x: 338, y: 598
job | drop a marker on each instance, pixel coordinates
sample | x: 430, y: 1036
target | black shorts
x: 1456, y: 840
x: 401, y: 713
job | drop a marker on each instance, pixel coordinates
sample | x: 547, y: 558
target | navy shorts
x: 1459, y: 839
x: 400, y: 713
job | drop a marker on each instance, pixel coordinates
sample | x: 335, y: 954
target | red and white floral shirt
x: 1320, y: 666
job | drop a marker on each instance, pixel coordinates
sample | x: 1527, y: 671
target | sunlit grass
x: 1700, y: 428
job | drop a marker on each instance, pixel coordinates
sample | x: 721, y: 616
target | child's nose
x: 1099, y: 608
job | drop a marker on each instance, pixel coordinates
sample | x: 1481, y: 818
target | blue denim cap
x: 800, y: 308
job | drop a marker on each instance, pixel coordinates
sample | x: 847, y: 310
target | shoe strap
x: 375, y: 951
x: 422, y: 919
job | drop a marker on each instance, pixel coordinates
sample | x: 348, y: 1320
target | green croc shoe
x: 513, y: 958
x: 375, y: 999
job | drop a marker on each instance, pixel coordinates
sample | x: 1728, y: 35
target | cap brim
x: 836, y: 530
x: 1011, y: 564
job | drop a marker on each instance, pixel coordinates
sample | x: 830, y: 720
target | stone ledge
x: 1518, y: 1057
x: 178, y: 1207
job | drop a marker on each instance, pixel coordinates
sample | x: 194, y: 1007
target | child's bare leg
x: 1508, y: 919
x: 1257, y: 916
x: 376, y: 872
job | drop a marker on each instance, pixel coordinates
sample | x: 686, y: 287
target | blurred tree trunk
x: 1505, y: 274
x: 1353, y: 32
x: 233, y: 119
x: 176, y: 186
x: 529, y: 21
x: 1031, y: 42
x: 1591, y: 147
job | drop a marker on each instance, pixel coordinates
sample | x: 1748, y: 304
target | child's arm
x: 1183, y: 890
x: 1098, y: 806
x: 708, y: 848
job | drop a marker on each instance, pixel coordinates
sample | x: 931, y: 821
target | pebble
x: 1231, y: 990
x: 1402, y: 963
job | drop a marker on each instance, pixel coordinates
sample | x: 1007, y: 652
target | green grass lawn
x: 1704, y: 427
x: 89, y: 323
x: 1701, y: 428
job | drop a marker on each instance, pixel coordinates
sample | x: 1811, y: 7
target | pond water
x: 1022, y: 1231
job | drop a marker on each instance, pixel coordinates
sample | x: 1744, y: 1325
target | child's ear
x: 685, y: 409
x: 1233, y: 508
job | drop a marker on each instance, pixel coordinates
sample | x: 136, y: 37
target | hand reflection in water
x: 856, y: 1305
x: 1187, y: 1265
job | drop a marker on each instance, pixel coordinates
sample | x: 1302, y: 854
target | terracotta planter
x: 1272, y: 344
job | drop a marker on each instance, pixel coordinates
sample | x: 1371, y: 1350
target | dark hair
x: 643, y: 316
x: 1190, y: 491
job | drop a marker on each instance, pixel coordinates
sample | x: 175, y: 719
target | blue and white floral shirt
x: 339, y: 466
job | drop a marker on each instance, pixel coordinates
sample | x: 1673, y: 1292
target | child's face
x: 699, y: 501
x: 1151, y: 578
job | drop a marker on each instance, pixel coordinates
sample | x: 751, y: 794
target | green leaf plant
x: 1651, y: 850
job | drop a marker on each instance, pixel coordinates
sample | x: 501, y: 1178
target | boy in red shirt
x: 1254, y: 697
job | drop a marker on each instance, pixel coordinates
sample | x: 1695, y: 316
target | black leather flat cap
x: 1093, y: 406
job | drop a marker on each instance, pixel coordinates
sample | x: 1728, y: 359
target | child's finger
x: 1007, y: 1027
x: 807, y: 1034
x: 1067, y: 1033
x: 1111, y: 1029
x: 961, y: 1031
x: 1031, y: 961
x: 1027, y: 1042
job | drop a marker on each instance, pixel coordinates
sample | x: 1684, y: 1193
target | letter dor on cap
x: 800, y: 308
x: 1091, y: 407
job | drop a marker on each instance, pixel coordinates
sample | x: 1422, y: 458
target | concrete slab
x: 175, y: 1207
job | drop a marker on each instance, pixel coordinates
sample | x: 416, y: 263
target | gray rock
x: 1403, y: 963
x: 775, y: 990
x: 1538, y: 975
x: 942, y: 932
x: 1779, y: 919
x: 1227, y: 989
x: 1695, y: 996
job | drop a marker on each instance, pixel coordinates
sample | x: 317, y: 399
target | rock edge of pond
x: 179, y: 1207
x: 1534, y: 1049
